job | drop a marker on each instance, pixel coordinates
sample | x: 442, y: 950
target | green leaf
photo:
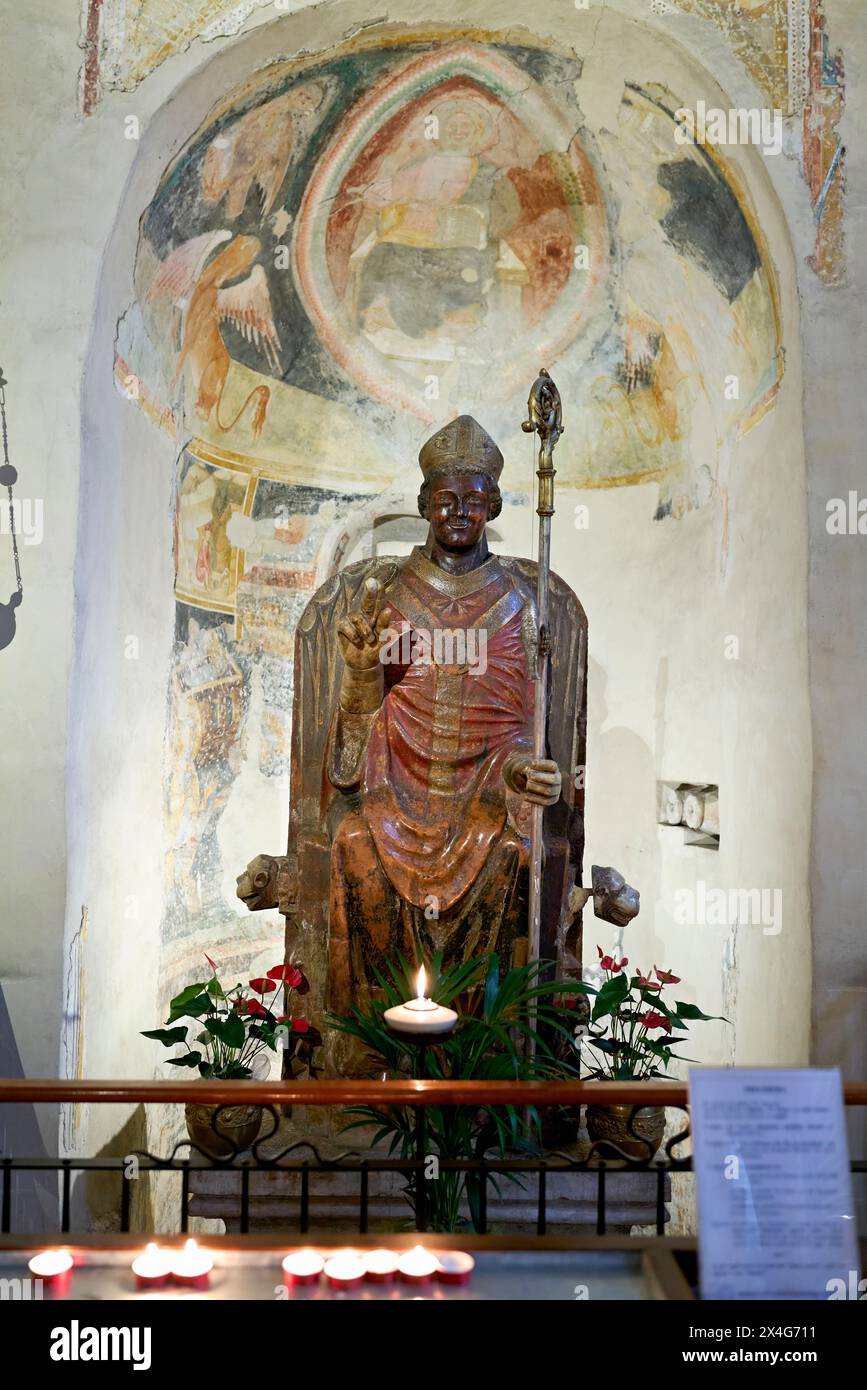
x: 610, y: 997
x: 186, y: 995
x: 167, y: 1036
x: 267, y: 1033
x: 194, y: 1007
x: 693, y: 1011
x: 229, y: 1030
x: 191, y: 1059
x: 458, y: 979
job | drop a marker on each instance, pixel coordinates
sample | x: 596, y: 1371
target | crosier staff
x: 545, y: 419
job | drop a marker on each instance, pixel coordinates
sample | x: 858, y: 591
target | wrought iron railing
x: 602, y: 1158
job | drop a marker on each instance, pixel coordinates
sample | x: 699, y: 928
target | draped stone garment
x: 430, y: 857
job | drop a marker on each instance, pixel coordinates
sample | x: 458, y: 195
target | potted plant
x: 638, y: 1030
x: 498, y: 1016
x: 237, y: 1029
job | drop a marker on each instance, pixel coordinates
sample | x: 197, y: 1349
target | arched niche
x: 695, y: 500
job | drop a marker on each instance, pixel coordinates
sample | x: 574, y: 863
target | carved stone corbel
x: 614, y: 900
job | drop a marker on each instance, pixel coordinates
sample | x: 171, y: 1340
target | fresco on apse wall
x: 785, y: 48
x: 364, y: 245
x: 245, y: 560
x: 782, y: 44
x: 354, y: 248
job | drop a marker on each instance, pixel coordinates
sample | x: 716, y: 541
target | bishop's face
x: 458, y: 509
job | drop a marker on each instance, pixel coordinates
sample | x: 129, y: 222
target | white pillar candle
x: 421, y: 1016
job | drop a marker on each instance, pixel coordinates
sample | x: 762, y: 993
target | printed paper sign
x: 776, y: 1218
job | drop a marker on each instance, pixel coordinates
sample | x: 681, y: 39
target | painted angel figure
x: 204, y: 301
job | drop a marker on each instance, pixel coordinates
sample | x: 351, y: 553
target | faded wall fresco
x: 369, y: 243
x: 354, y: 248
x: 785, y: 48
x: 782, y: 44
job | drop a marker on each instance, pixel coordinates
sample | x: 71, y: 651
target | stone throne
x: 297, y: 882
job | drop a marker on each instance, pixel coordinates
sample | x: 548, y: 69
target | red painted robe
x: 432, y: 827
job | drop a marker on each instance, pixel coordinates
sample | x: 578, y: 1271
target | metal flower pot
x: 222, y: 1131
x: 635, y: 1133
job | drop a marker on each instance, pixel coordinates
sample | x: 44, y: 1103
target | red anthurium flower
x: 241, y: 1006
x: 289, y: 974
x: 644, y: 982
x: 262, y: 985
x: 666, y: 977
x: 254, y: 1007
x: 654, y: 1020
x: 609, y: 963
x: 211, y: 963
x: 300, y: 1025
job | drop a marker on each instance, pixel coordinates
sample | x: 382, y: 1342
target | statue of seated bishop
x: 412, y: 770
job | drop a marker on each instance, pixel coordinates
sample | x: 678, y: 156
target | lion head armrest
x: 269, y: 880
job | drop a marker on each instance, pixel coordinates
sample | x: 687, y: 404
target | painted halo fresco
x: 438, y: 233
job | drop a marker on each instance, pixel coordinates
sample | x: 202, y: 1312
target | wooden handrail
x: 352, y: 1092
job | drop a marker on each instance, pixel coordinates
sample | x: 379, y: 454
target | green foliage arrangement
x: 499, y: 1016
x: 237, y: 1025
x: 632, y: 1029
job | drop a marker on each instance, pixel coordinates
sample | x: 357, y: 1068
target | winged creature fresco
x: 257, y: 148
x: 204, y: 300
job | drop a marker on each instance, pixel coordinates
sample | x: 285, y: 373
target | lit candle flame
x: 421, y: 983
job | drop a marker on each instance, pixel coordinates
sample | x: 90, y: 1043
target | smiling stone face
x: 458, y: 509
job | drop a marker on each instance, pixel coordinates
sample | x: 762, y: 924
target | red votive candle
x: 417, y: 1266
x: 345, y: 1270
x: 302, y: 1267
x: 380, y: 1266
x: 152, y: 1268
x: 191, y: 1267
x: 455, y: 1267
x: 54, y: 1268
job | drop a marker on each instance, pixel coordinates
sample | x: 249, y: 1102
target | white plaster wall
x: 664, y: 702
x: 835, y: 360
